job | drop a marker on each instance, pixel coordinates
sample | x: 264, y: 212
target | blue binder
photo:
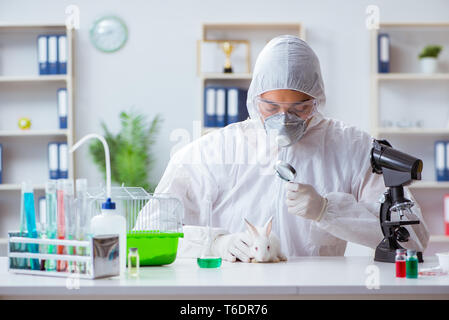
x: 42, y: 54
x: 210, y: 113
x: 62, y: 107
x: 1, y: 165
x: 63, y: 166
x: 446, y: 166
x: 62, y: 54
x: 52, y: 54
x: 383, y: 53
x: 441, y: 159
x: 236, y: 105
x: 221, y: 107
x: 53, y: 160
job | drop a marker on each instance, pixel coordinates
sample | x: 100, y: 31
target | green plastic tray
x: 154, y: 248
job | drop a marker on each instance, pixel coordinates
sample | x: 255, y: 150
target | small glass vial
x: 400, y: 263
x: 412, y: 264
x: 133, y: 262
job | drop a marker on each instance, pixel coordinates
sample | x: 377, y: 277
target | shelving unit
x: 405, y: 82
x: 226, y: 76
x: 258, y: 34
x: 17, y: 187
x: 27, y: 133
x: 411, y: 76
x: 26, y: 93
x: 46, y: 78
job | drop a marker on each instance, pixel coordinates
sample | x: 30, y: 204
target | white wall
x: 156, y: 70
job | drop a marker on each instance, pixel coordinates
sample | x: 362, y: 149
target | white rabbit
x: 265, y: 246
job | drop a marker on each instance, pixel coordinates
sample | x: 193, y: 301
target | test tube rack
x: 102, y: 259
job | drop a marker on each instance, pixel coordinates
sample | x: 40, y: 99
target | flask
x: 207, y: 258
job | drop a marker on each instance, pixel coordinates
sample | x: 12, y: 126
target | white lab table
x: 303, y: 277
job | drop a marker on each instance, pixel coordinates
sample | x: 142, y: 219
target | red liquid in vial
x: 400, y: 269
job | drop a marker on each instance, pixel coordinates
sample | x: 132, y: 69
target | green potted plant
x: 131, y: 155
x: 429, y: 58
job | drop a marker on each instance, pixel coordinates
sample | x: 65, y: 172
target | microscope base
x: 386, y: 254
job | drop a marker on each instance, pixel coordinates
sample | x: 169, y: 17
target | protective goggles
x: 303, y: 109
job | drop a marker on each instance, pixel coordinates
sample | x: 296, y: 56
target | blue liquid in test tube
x: 30, y: 213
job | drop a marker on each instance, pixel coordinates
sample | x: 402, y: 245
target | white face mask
x: 290, y: 128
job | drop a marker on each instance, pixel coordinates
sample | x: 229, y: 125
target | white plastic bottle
x: 111, y: 222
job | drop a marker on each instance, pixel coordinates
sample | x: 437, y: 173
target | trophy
x: 227, y: 48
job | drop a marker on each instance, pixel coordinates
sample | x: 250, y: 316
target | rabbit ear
x: 268, y: 226
x: 252, y: 229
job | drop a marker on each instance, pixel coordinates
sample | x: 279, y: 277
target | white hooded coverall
x: 233, y: 166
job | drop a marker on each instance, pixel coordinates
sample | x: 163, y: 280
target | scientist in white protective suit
x: 335, y: 196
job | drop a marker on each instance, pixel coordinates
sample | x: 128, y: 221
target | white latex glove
x: 231, y: 247
x: 303, y: 200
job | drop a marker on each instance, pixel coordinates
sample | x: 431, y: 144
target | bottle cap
x: 411, y: 252
x: 402, y: 251
x: 132, y: 250
x: 108, y: 205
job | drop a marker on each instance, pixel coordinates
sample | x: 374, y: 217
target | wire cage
x: 153, y: 222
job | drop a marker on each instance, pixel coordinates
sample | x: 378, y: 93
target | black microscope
x: 399, y: 170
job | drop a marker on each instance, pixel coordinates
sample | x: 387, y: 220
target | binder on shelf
x: 221, y: 107
x: 53, y: 160
x: 53, y: 54
x: 1, y: 166
x: 441, y: 170
x: 210, y: 114
x: 62, y: 54
x: 446, y: 163
x: 62, y: 107
x: 383, y: 52
x: 42, y: 54
x: 236, y: 105
x: 63, y: 161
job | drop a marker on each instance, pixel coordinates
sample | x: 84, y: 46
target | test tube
x: 51, y: 211
x: 70, y: 219
x: 42, y: 227
x: 60, y: 265
x: 30, y: 214
x: 82, y: 220
x: 21, y: 263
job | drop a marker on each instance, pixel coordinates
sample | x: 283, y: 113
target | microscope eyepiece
x: 397, y: 167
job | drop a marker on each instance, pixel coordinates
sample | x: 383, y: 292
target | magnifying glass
x: 285, y: 171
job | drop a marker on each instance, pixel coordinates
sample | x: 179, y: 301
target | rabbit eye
x: 268, y: 247
x: 256, y: 248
